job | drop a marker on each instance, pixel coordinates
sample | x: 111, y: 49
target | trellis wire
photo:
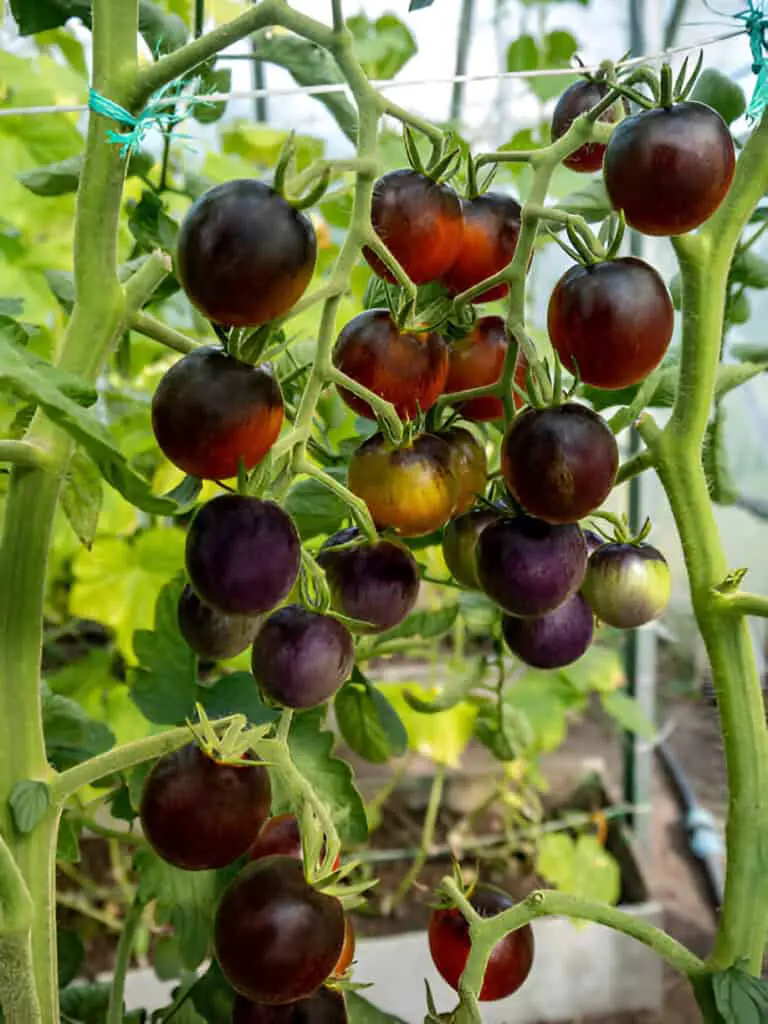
x: 385, y: 85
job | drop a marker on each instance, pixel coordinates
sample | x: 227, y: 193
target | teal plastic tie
x: 154, y: 115
x: 756, y: 24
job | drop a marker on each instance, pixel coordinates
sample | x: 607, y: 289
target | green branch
x: 357, y: 507
x: 122, y: 961
x: 23, y: 453
x: 741, y: 603
x: 634, y: 466
x: 151, y: 327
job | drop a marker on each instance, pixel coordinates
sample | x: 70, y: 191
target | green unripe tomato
x: 627, y: 585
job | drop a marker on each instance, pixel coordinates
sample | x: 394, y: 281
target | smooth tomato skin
x: 404, y: 368
x: 491, y: 231
x: 553, y: 640
x: 420, y: 222
x: 627, y: 585
x: 326, y: 1006
x: 347, y: 952
x: 511, y: 958
x: 477, y: 361
x: 242, y: 554
x: 300, y: 658
x: 529, y: 567
x: 211, y: 634
x: 281, y: 835
x: 559, y: 463
x: 275, y: 937
x: 469, y: 463
x: 577, y: 99
x: 411, y: 489
x: 611, y: 322
x: 210, y: 410
x: 669, y: 168
x: 460, y: 544
x: 198, y: 814
x: 373, y: 583
x: 244, y: 255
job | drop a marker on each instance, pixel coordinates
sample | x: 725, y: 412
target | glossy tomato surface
x: 469, y: 463
x: 460, y: 544
x: 627, y: 585
x: 275, y: 937
x: 210, y: 411
x: 529, y: 567
x: 476, y: 361
x: 420, y: 222
x: 326, y: 1006
x: 412, y: 489
x: 211, y: 634
x: 576, y: 100
x: 668, y: 169
x: 553, y: 640
x: 405, y: 368
x: 559, y: 463
x: 281, y: 835
x: 373, y: 583
x: 511, y: 958
x: 491, y: 230
x: 242, y: 554
x: 300, y: 658
x: 198, y: 814
x: 244, y: 255
x: 611, y: 322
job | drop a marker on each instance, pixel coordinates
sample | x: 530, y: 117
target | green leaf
x: 455, y: 689
x: 442, y: 736
x: 314, y: 508
x: 359, y: 1009
x: 423, y: 625
x: 63, y: 177
x: 581, y: 867
x: 555, y: 50
x: 36, y: 381
x: 720, y: 483
x: 29, y: 800
x: 85, y: 1004
x: 234, y: 694
x: 186, y: 900
x: 309, y: 65
x: 740, y: 998
x: 212, y: 80
x: 383, y: 46
x: 733, y: 375
x: 721, y: 93
x: 368, y: 722
x: 600, y: 669
x: 68, y: 843
x: 71, y: 954
x: 165, y: 683
x: 71, y: 735
x: 737, y: 308
x: 523, y: 54
x: 149, y: 223
x: 750, y: 269
x: 419, y: 5
x: 663, y: 396
x: 311, y: 749
x: 213, y: 997
x: 162, y: 32
x: 544, y: 698
x: 628, y: 713
x: 81, y: 497
x: 504, y: 730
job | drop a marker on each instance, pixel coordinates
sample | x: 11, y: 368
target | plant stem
x: 22, y: 453
x: 155, y: 329
x: 742, y: 603
x: 427, y: 838
x: 634, y: 465
x: 122, y: 961
x: 357, y: 507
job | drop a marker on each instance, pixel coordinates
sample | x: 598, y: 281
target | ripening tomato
x: 412, y: 489
x: 326, y: 1006
x: 611, y: 322
x: 460, y: 544
x: 511, y: 958
x: 244, y: 254
x: 281, y: 835
x: 579, y: 99
x: 627, y: 585
x: 347, y: 951
x: 491, y: 230
x: 405, y: 368
x: 210, y: 411
x: 476, y: 361
x: 420, y: 222
x: 668, y: 169
x: 470, y: 465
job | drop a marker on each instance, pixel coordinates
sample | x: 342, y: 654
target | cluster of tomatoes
x: 245, y: 257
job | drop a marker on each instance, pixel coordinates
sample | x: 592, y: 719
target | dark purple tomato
x: 559, y: 463
x: 611, y: 322
x: 211, y: 634
x: 668, y: 169
x: 281, y: 835
x: 460, y: 544
x: 374, y: 583
x: 594, y: 541
x: 529, y: 567
x: 579, y: 99
x: 407, y: 369
x: 411, y: 489
x: 197, y: 813
x: 210, y: 411
x: 491, y: 230
x: 244, y: 254
x: 420, y: 222
x: 552, y: 640
x: 326, y: 1006
x: 627, y: 585
x: 300, y: 658
x: 275, y: 937
x: 470, y: 465
x: 476, y: 361
x: 242, y: 554
x: 511, y: 958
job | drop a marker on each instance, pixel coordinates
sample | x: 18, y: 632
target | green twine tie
x: 756, y: 24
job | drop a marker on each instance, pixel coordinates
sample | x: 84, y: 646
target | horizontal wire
x: 385, y: 85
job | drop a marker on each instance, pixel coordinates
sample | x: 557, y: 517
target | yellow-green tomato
x: 627, y: 585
